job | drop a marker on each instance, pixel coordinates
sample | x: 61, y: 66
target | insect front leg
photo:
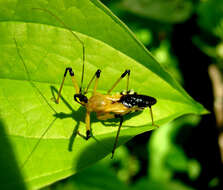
x: 68, y: 69
x: 97, y: 75
x: 88, y: 127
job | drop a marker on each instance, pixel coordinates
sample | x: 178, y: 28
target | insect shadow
x: 74, y: 114
x: 103, y: 146
x: 114, y: 122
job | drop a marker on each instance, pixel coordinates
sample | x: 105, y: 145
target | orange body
x: 106, y: 106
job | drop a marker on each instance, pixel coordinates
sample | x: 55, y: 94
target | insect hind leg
x: 151, y: 114
x: 127, y: 72
x: 117, y: 136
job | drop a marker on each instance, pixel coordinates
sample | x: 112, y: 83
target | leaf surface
x: 36, y: 49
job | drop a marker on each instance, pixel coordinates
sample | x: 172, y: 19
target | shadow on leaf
x: 10, y: 176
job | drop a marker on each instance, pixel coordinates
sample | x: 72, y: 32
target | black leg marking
x: 122, y: 76
x: 70, y: 71
x: 88, y: 134
x: 125, y: 73
x: 97, y: 75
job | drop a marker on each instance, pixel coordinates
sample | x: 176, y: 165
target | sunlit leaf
x: 42, y: 133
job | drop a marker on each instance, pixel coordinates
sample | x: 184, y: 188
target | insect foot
x: 88, y: 135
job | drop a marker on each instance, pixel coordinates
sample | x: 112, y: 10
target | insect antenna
x: 34, y: 86
x: 74, y: 35
x: 29, y: 78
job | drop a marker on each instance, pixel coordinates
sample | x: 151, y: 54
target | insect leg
x: 121, y: 77
x: 127, y: 86
x: 68, y: 69
x: 96, y: 81
x: 88, y: 127
x: 97, y: 74
x: 116, y: 139
x: 151, y: 113
x: 87, y: 121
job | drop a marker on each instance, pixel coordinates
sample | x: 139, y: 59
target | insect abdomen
x: 141, y: 101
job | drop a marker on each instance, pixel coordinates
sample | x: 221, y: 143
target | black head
x: 80, y: 98
x: 140, y: 101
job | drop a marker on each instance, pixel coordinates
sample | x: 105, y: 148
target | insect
x: 106, y: 106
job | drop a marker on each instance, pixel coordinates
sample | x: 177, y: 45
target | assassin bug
x: 106, y: 106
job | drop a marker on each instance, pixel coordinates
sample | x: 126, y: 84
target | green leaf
x: 43, y: 134
x: 170, y: 11
x: 210, y: 16
x: 145, y: 184
x: 166, y: 156
x: 91, y: 178
x: 10, y: 175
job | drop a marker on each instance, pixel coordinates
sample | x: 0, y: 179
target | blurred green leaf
x: 171, y: 11
x: 97, y: 177
x: 145, y: 184
x: 123, y: 163
x: 176, y: 159
x: 144, y: 35
x: 210, y: 19
x: 42, y: 133
x: 167, y: 60
x: 194, y: 169
x: 214, y: 183
x: 210, y: 16
x: 207, y: 49
x: 166, y: 156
